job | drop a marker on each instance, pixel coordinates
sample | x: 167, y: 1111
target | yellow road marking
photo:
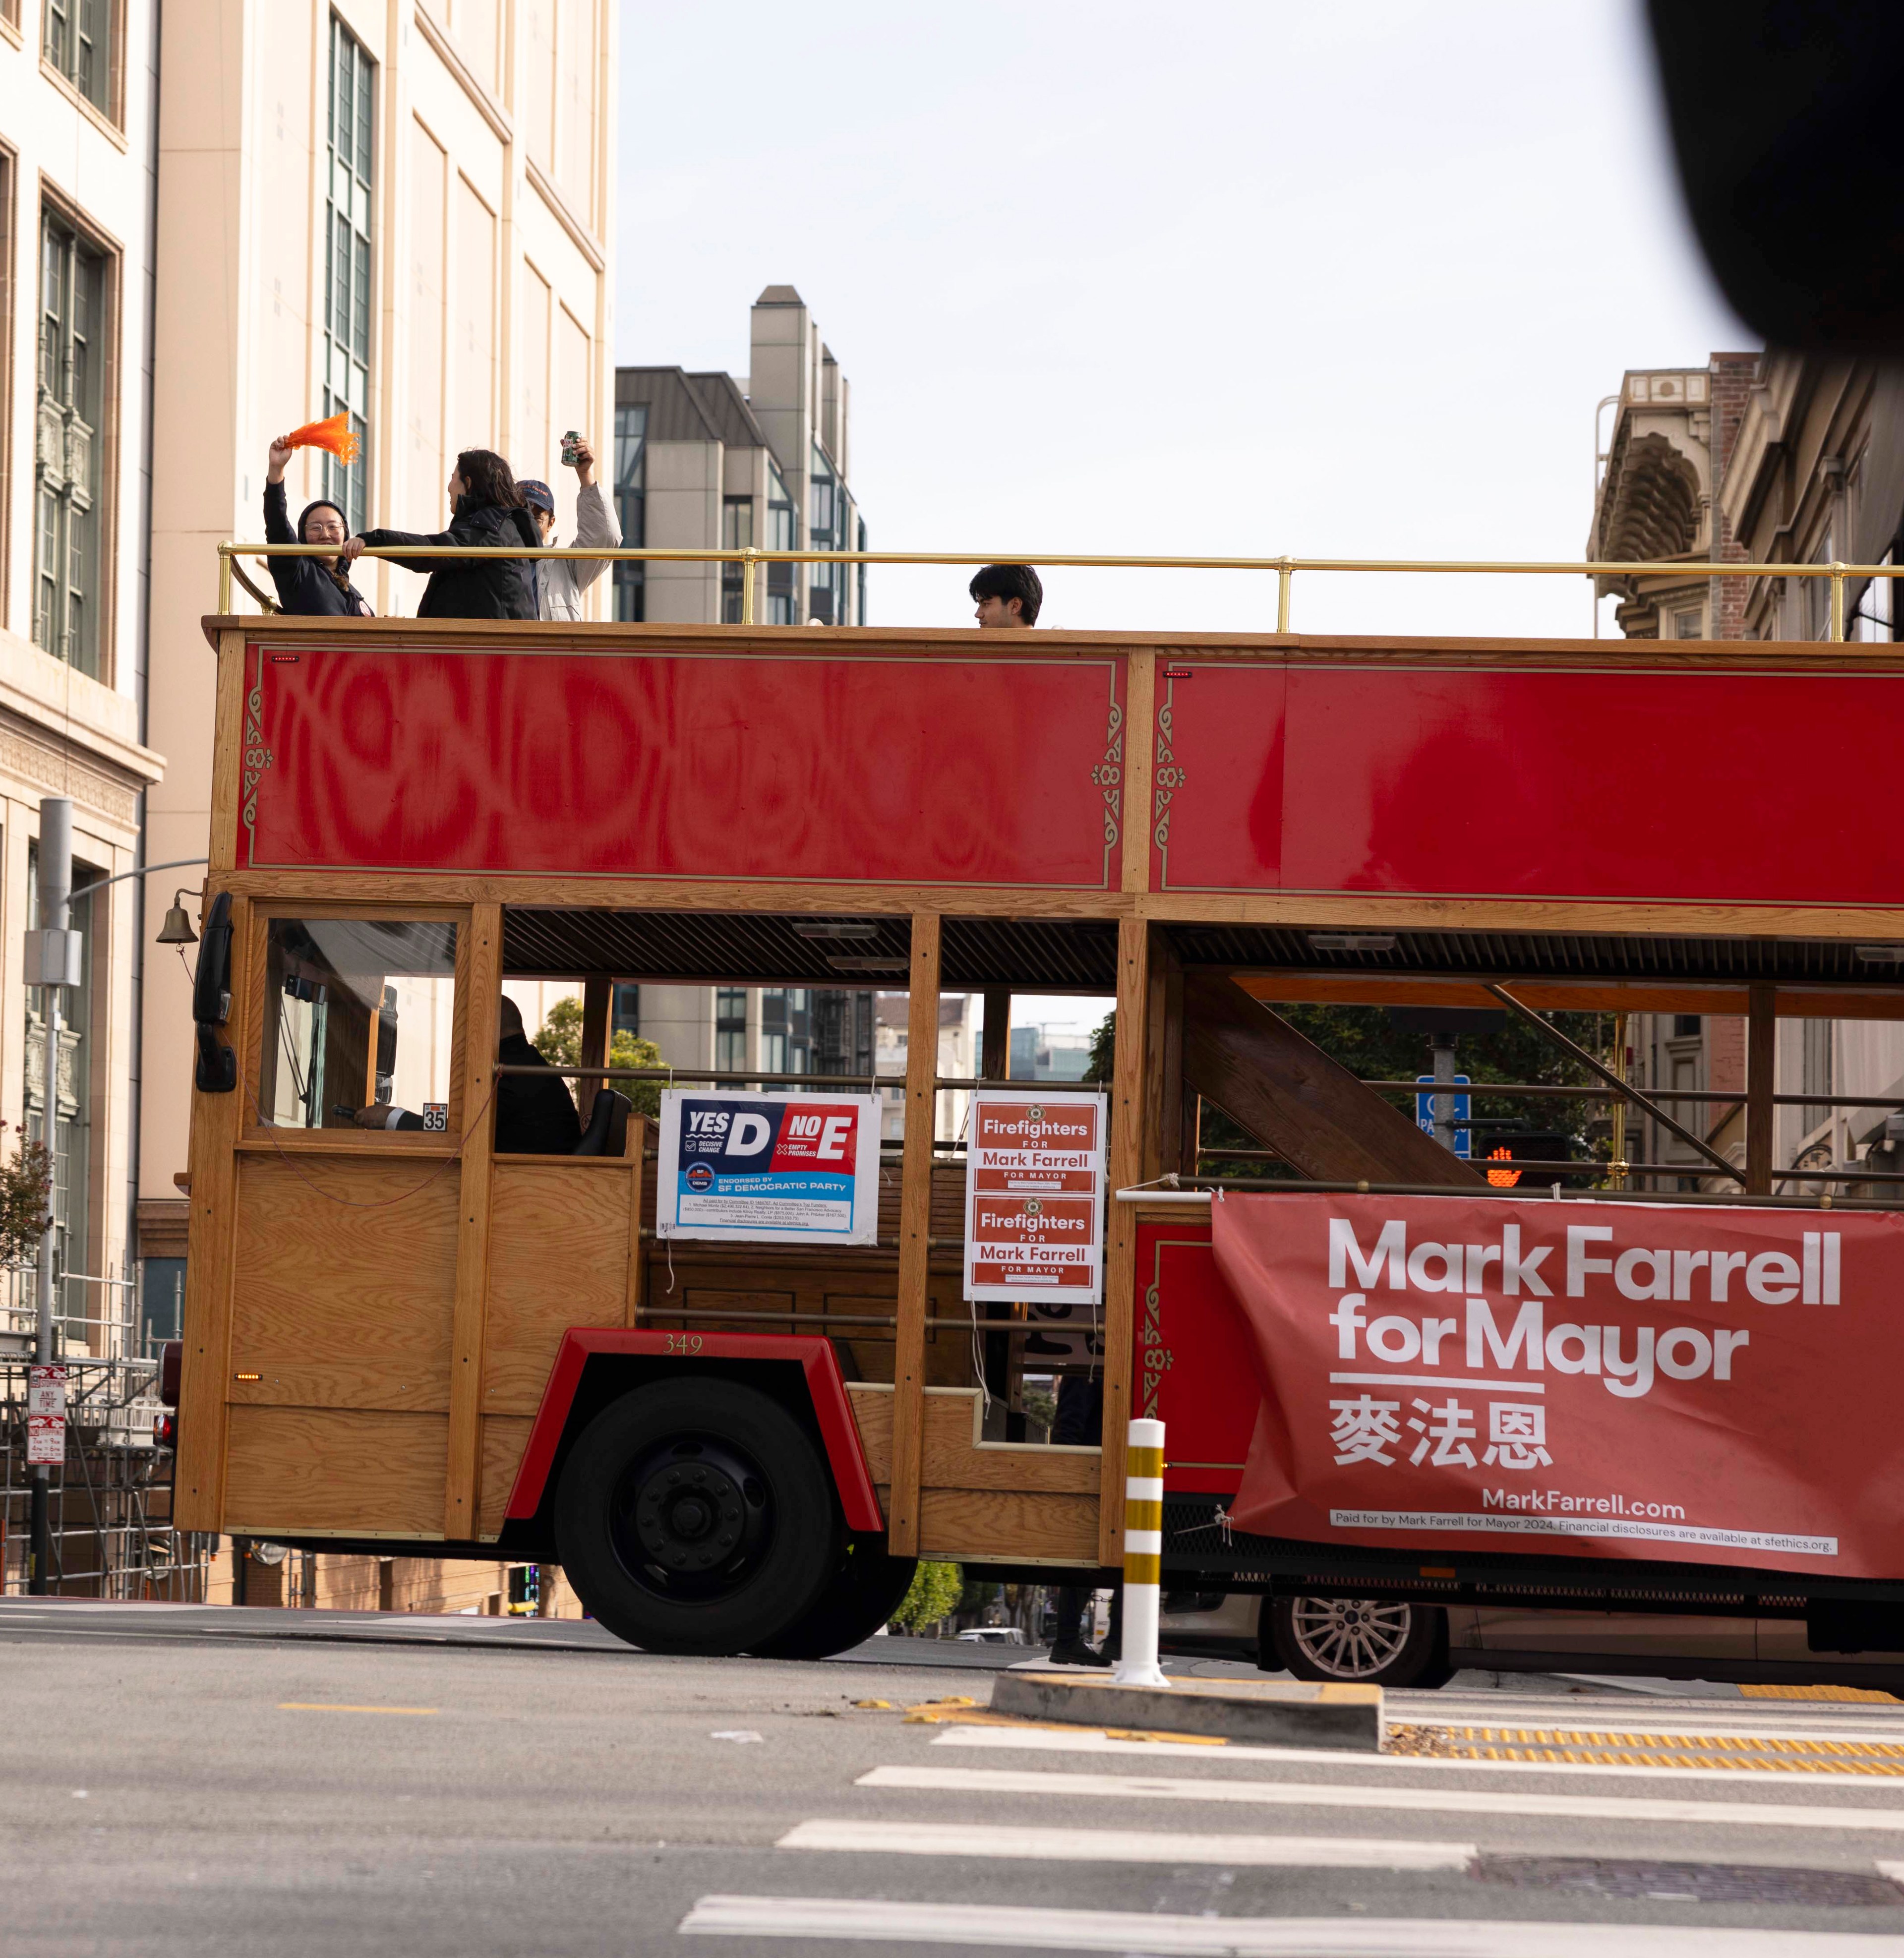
x: 1818, y: 1693
x: 1575, y: 1747
x: 335, y: 1706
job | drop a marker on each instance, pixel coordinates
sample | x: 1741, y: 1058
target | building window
x: 1688, y: 625
x: 77, y: 38
x: 827, y: 584
x: 786, y: 1030
x: 67, y: 590
x: 631, y: 501
x: 737, y: 534
x: 624, y: 1016
x: 783, y: 533
x: 730, y: 1029
x: 346, y: 266
x: 1685, y: 1026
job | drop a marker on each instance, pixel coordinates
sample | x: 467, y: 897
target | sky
x: 1339, y: 281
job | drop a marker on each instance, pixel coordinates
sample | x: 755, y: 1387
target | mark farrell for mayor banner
x: 1683, y: 1384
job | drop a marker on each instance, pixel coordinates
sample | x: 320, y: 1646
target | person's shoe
x: 1077, y: 1653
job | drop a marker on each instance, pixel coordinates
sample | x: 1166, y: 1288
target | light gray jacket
x: 563, y: 580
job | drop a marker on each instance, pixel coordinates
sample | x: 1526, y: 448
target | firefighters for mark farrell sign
x: 1035, y: 1195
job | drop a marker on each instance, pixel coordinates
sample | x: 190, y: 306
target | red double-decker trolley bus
x: 409, y: 1340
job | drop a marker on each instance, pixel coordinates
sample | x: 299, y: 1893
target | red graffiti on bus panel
x: 966, y: 770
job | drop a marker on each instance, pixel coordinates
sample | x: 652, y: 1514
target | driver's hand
x: 375, y: 1116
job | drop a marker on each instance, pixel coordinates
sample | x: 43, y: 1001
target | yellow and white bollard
x: 1143, y: 1555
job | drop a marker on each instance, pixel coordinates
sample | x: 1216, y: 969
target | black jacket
x: 533, y: 1117
x: 494, y: 587
x: 305, y: 587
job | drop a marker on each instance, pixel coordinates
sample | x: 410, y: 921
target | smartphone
x: 570, y: 447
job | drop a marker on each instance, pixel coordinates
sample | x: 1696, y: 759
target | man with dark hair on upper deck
x: 534, y: 1116
x: 1008, y: 594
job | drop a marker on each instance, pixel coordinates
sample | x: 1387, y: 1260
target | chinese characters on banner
x: 1034, y: 1197
x: 773, y: 1169
x: 1697, y: 1384
x: 46, y: 1415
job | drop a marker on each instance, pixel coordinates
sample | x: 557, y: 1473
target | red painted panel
x: 979, y: 770
x: 1453, y: 781
x: 1194, y: 1371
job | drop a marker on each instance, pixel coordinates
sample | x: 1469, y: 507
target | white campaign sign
x: 1034, y: 1197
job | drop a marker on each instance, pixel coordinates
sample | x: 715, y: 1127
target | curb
x: 1272, y: 1714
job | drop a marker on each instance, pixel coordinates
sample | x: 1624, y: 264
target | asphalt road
x: 175, y: 1782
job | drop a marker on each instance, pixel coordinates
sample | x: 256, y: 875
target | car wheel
x: 863, y: 1593
x: 695, y: 1516
x: 1360, y: 1638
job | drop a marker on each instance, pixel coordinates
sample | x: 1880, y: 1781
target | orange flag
x: 335, y: 434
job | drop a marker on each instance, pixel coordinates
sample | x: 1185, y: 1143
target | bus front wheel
x: 695, y: 1516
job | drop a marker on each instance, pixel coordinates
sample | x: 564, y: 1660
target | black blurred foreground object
x: 1784, y: 116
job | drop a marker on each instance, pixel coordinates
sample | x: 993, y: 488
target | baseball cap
x: 537, y: 495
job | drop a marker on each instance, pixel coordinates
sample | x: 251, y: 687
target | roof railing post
x: 224, y: 579
x: 747, y: 586
x: 1285, y: 577
x: 1837, y: 600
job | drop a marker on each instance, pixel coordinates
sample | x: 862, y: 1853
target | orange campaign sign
x: 1679, y: 1384
x: 1034, y: 1198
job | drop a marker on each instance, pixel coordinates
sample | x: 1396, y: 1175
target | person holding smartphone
x: 563, y: 580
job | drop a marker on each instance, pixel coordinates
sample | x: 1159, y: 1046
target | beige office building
x: 76, y: 220
x: 402, y: 210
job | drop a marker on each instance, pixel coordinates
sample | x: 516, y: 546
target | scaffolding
x: 109, y: 1501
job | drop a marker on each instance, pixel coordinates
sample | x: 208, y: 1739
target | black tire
x: 1372, y: 1642
x: 864, y: 1592
x: 695, y: 1516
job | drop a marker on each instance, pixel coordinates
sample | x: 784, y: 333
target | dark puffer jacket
x: 492, y: 588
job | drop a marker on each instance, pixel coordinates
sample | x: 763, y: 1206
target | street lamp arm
x: 143, y: 870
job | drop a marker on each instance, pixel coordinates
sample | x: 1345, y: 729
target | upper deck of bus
x: 1576, y: 812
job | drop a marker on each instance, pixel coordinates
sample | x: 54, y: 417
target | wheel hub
x: 1350, y: 1638
x: 691, y: 1517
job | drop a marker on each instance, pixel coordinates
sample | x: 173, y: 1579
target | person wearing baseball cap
x: 562, y: 580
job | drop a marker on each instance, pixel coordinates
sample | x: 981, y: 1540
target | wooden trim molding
x: 478, y: 1008
x: 915, y: 1227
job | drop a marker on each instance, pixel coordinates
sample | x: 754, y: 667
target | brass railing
x: 1285, y: 568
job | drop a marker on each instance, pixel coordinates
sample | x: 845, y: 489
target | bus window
x: 357, y: 1011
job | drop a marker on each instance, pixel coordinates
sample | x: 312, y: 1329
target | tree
x: 26, y: 1190
x: 559, y: 1041
x: 936, y: 1590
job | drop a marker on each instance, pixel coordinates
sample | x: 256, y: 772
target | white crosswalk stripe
x: 1052, y: 1785
x: 1128, y: 1846
x: 837, y: 1919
